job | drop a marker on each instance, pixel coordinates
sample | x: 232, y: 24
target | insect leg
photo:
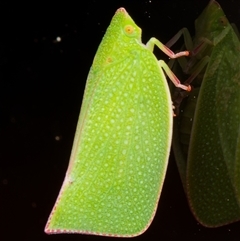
x: 153, y: 41
x: 172, y: 76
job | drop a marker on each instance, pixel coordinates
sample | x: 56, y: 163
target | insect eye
x: 223, y: 21
x: 129, y: 30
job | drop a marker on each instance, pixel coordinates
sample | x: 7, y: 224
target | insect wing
x: 209, y: 166
x: 121, y: 147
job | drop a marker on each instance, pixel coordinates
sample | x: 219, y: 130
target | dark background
x: 41, y: 86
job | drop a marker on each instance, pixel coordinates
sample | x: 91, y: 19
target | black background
x: 41, y: 86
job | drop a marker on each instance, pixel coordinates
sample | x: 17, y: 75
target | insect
x: 206, y: 143
x: 122, y: 141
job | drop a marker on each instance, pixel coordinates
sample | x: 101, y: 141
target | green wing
x: 121, y: 148
x: 209, y: 167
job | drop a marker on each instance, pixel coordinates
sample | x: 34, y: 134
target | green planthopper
x: 122, y: 141
x: 206, y: 136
